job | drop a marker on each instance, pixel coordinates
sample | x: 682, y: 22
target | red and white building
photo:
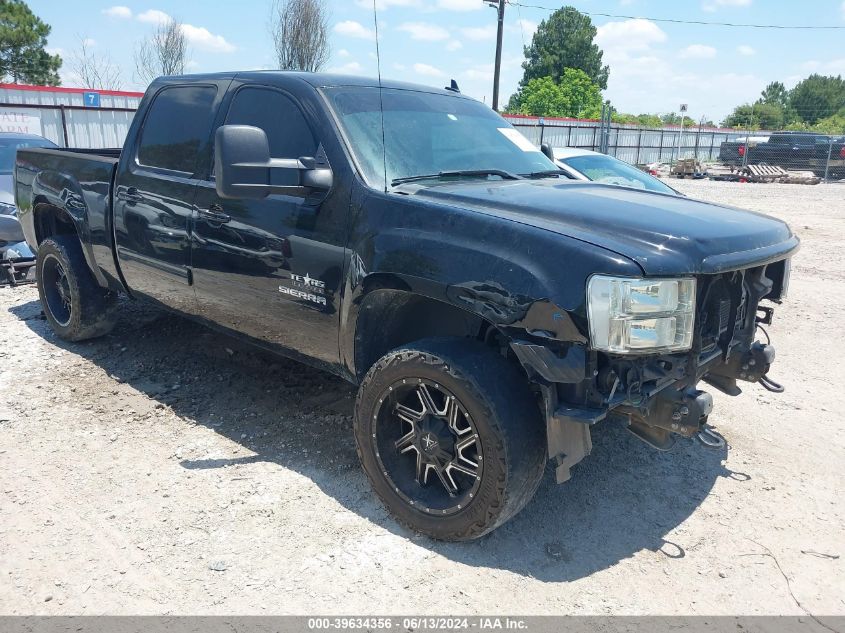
x: 70, y: 117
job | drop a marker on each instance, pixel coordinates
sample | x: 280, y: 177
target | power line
x: 693, y: 22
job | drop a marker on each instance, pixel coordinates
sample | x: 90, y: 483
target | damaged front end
x: 702, y: 329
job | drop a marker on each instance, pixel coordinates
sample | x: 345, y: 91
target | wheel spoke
x: 472, y: 472
x: 426, y: 400
x: 421, y: 467
x: 447, y: 481
x: 406, y: 442
x: 408, y: 414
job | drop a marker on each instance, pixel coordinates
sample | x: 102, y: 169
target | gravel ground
x: 166, y: 469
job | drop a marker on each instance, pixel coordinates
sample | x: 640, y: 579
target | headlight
x: 7, y: 209
x: 636, y: 316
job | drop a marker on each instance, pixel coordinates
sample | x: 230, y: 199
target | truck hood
x: 664, y: 234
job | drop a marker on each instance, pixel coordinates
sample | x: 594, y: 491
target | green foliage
x: 817, y: 97
x: 575, y: 96
x: 775, y: 94
x: 564, y: 40
x: 756, y: 116
x: 23, y: 38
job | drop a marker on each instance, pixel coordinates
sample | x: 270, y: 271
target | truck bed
x: 78, y: 180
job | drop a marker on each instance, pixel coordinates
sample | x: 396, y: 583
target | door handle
x: 130, y: 194
x: 214, y: 214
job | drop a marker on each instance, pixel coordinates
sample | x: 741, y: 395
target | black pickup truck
x: 823, y: 155
x: 411, y: 241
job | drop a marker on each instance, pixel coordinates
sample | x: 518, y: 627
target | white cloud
x: 351, y: 28
x: 424, y: 31
x: 89, y: 42
x: 479, y: 33
x: 746, y: 50
x: 124, y: 13
x: 454, y: 45
x: 386, y: 4
x: 350, y: 68
x: 714, y: 5
x: 427, y: 70
x: 483, y: 72
x: 343, y: 53
x: 154, y: 16
x: 630, y: 35
x: 698, y: 51
x: 527, y: 27
x: 203, y: 39
x: 460, y: 5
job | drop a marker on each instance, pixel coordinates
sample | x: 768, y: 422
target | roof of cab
x: 318, y: 80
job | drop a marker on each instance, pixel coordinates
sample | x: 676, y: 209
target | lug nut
x: 676, y: 417
x: 752, y: 362
x: 684, y: 410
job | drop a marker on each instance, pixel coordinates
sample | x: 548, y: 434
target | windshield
x: 9, y: 146
x: 612, y: 171
x: 427, y: 134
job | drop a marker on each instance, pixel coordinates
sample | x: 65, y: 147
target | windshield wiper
x: 546, y: 174
x: 463, y: 173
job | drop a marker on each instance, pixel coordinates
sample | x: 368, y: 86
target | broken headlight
x: 637, y: 316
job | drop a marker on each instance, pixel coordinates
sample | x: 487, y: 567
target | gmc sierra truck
x: 410, y: 240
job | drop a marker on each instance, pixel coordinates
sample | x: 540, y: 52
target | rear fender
x: 63, y: 193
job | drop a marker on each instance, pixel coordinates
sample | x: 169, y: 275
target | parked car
x: 16, y: 259
x: 411, y: 241
x: 583, y: 164
x: 790, y: 150
x: 10, y: 143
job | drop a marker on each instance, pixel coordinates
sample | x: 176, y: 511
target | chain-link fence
x: 823, y: 155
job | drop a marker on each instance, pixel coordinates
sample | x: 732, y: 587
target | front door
x: 272, y: 268
x: 154, y: 195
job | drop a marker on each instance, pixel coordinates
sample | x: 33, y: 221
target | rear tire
x: 76, y: 307
x: 468, y: 452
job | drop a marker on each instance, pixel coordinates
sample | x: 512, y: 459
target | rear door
x: 155, y: 189
x: 272, y: 269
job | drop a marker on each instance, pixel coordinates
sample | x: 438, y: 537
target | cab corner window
x: 177, y: 128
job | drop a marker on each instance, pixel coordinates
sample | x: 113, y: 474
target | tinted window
x: 287, y: 130
x: 177, y: 128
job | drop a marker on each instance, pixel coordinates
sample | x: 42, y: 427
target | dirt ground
x: 166, y: 469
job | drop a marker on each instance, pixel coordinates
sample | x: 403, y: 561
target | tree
x: 300, y: 32
x: 164, y: 53
x: 575, y: 96
x: 92, y: 70
x: 23, y: 38
x: 775, y: 94
x: 564, y: 40
x: 817, y: 97
x: 756, y: 116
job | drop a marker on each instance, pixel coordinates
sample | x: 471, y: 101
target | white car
x: 583, y: 164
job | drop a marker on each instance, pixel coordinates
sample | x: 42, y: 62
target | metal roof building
x: 70, y: 117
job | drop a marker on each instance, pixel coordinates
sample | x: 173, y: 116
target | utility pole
x: 500, y: 32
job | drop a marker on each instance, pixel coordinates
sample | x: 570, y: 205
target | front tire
x: 76, y: 307
x: 450, y: 437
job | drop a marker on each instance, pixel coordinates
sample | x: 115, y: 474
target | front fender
x: 524, y: 280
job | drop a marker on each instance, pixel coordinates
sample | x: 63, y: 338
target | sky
x: 654, y: 66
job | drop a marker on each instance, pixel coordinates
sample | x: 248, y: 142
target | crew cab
x: 410, y: 240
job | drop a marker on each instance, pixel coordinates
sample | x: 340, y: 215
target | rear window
x: 177, y: 128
